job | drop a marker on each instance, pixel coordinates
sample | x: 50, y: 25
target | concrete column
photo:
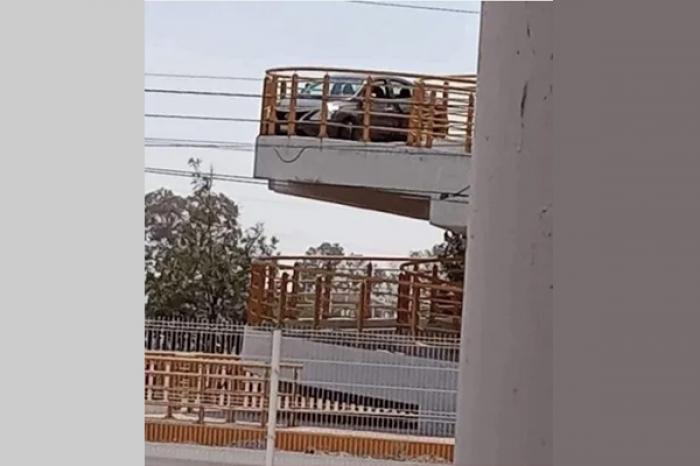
x: 505, y: 389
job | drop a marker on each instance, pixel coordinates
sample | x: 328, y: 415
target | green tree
x: 197, y: 255
x: 452, y: 249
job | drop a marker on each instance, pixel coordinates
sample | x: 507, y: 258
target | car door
x: 401, y: 95
x: 381, y: 109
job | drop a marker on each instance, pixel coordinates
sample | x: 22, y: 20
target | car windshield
x: 338, y: 87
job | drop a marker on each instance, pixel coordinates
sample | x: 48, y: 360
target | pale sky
x: 245, y: 39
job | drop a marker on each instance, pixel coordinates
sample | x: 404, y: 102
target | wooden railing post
x: 415, y: 316
x: 431, y: 121
x: 323, y: 130
x: 292, y: 116
x: 283, y: 298
x: 317, y: 302
x: 295, y: 290
x: 470, y: 124
x: 200, y: 395
x: 327, y: 284
x: 433, y: 291
x: 402, y: 300
x: 253, y: 308
x: 442, y: 116
x: 272, y: 105
x: 265, y: 107
x: 166, y: 392
x: 368, y: 292
x: 362, y: 311
x: 366, y: 110
x: 420, y: 112
x: 270, y: 292
x: 415, y: 301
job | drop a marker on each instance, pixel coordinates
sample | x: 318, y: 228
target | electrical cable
x: 415, y: 7
x: 203, y: 76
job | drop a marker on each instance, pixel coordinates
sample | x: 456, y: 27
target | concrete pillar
x: 505, y: 389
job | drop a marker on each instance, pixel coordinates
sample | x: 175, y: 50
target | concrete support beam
x: 505, y: 389
x: 363, y: 198
x: 450, y: 215
x: 390, y: 167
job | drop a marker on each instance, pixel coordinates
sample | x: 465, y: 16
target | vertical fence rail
x: 275, y: 352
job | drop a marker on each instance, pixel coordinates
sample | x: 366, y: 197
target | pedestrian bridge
x: 410, y: 296
x: 387, y: 141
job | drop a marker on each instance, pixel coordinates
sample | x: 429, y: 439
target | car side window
x: 400, y: 90
x: 380, y: 89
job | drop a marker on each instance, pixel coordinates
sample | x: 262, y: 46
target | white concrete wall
x: 505, y: 391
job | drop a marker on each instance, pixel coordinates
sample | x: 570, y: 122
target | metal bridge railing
x: 370, y: 106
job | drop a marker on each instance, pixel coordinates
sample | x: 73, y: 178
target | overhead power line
x: 247, y: 146
x: 251, y: 180
x: 214, y: 176
x: 416, y: 7
x: 200, y: 144
x: 201, y: 117
x: 206, y: 93
x: 203, y: 76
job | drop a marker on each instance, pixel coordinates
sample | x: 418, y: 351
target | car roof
x: 340, y: 77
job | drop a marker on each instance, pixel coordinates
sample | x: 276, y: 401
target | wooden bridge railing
x: 409, y: 295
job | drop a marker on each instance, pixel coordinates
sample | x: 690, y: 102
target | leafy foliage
x: 197, y: 255
x: 452, y: 248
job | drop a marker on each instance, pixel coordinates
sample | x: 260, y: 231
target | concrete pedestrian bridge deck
x: 386, y: 141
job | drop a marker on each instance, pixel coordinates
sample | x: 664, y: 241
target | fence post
x: 368, y: 291
x: 415, y: 305
x: 292, y: 116
x: 283, y: 298
x: 431, y: 121
x: 323, y: 130
x: 295, y: 291
x: 433, y: 293
x: 272, y: 396
x: 264, y: 108
x: 363, y: 306
x: 166, y: 392
x: 366, y: 109
x: 470, y: 124
x: 272, y: 114
x: 317, y: 302
x: 327, y: 284
x: 200, y: 392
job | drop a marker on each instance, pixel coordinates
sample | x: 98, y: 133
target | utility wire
x: 207, y: 93
x: 240, y: 145
x: 200, y: 117
x: 213, y: 176
x: 415, y: 7
x: 203, y: 76
x: 251, y: 180
x: 185, y: 143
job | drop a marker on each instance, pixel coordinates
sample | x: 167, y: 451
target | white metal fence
x: 366, y: 385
